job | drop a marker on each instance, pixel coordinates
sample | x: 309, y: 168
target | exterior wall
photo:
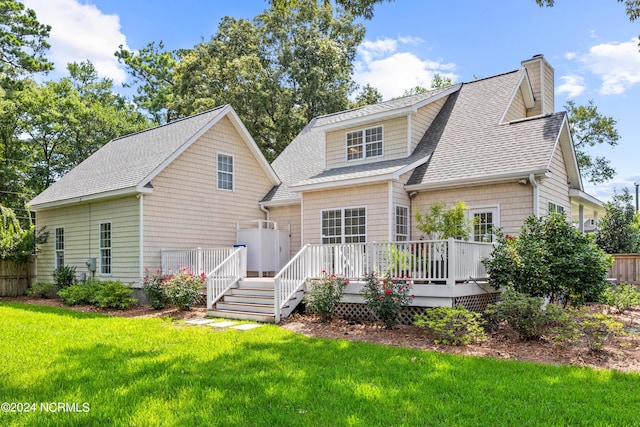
x: 541, y: 76
x: 187, y: 210
x: 394, y: 143
x: 514, y: 203
x: 374, y: 197
x: 289, y: 215
x: 81, y: 225
x: 517, y: 109
x: 549, y: 85
x: 399, y: 197
x: 534, y: 71
x: 555, y: 188
x: 421, y: 121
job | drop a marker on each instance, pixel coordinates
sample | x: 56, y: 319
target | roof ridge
x: 538, y: 117
x: 170, y: 123
x: 491, y: 77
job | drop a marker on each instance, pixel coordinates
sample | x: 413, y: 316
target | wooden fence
x: 626, y: 268
x: 15, y: 278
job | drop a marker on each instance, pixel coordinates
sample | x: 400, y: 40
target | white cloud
x: 572, y: 85
x: 80, y: 32
x: 617, y: 64
x: 570, y: 55
x: 392, y: 71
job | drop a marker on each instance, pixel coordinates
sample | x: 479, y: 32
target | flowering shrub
x: 153, y: 286
x: 183, y: 289
x: 324, y: 294
x: 385, y: 297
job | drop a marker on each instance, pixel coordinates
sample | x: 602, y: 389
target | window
x: 363, y: 144
x: 484, y: 223
x: 555, y: 208
x: 344, y: 225
x: 105, y: 248
x: 402, y: 223
x: 59, y: 261
x: 225, y: 172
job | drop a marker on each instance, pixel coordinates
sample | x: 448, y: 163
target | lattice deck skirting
x: 360, y: 312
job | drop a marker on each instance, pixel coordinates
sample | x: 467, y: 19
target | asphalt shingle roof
x: 124, y: 162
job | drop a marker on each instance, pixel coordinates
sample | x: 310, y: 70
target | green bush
x: 595, y: 328
x: 115, y: 295
x: 42, y: 290
x: 184, y: 289
x: 154, y: 289
x: 526, y: 314
x: 324, y: 294
x: 550, y: 258
x: 64, y: 276
x: 622, y: 296
x: 452, y: 326
x: 385, y: 297
x: 81, y: 293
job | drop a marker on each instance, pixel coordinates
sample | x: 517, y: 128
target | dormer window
x: 364, y: 143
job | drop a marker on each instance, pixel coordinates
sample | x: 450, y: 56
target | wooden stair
x: 252, y: 299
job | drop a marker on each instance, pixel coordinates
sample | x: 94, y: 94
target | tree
x: 590, y: 128
x: 359, y: 8
x: 441, y: 223
x: 368, y: 95
x: 438, y: 82
x: 619, y: 230
x: 22, y: 40
x: 632, y: 7
x: 152, y: 69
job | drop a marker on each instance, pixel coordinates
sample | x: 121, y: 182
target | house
x: 348, y: 184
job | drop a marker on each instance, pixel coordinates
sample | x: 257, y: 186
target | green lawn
x: 146, y: 372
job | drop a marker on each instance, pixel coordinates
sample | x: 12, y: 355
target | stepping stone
x: 221, y: 324
x: 199, y: 321
x: 246, y: 326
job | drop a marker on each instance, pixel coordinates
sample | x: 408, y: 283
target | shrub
x: 64, y: 276
x: 81, y: 293
x: 42, y: 289
x: 595, y: 328
x: 452, y: 326
x: 114, y: 295
x: 154, y: 290
x: 526, y: 314
x: 552, y: 259
x: 621, y: 297
x: 324, y: 294
x: 184, y: 289
x: 385, y: 297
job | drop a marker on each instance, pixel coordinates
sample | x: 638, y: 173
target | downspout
x: 536, y: 194
x: 266, y: 211
x: 141, y: 236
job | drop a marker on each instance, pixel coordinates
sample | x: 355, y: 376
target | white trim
x: 389, y: 114
x: 129, y: 191
x: 527, y: 95
x: 55, y: 246
x: 495, y: 211
x: 468, y: 182
x: 342, y: 222
x: 233, y: 171
x: 364, y: 144
x: 573, y: 170
x: 100, y: 248
x: 281, y: 202
x: 557, y: 205
x: 302, y: 221
x: 390, y: 219
x: 580, y: 197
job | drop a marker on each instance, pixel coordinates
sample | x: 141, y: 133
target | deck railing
x: 197, y: 260
x: 226, y: 275
x: 439, y: 262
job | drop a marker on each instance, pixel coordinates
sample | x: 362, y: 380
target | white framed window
x: 105, y: 248
x: 484, y: 221
x: 402, y: 223
x: 346, y: 225
x: 365, y: 143
x: 555, y: 207
x: 225, y: 172
x: 59, y: 251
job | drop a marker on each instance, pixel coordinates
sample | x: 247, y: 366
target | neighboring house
x: 182, y: 185
x: 494, y: 143
x: 353, y: 177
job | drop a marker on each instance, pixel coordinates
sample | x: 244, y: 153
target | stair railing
x: 291, y: 279
x: 226, y: 275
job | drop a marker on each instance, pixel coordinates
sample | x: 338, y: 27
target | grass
x: 154, y: 372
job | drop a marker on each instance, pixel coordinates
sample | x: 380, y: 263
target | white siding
x: 81, y: 225
x: 555, y: 188
x: 421, y: 121
x: 517, y: 109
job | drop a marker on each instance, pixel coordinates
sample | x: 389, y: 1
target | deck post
x: 451, y: 264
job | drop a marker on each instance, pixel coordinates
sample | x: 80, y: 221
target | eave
x: 485, y: 180
x: 123, y: 192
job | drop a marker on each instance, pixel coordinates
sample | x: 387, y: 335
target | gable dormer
x: 385, y: 131
x: 541, y: 76
x: 521, y: 101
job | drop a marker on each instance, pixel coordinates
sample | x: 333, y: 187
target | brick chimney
x: 542, y: 82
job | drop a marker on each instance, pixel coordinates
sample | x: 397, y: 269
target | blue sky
x: 590, y: 43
